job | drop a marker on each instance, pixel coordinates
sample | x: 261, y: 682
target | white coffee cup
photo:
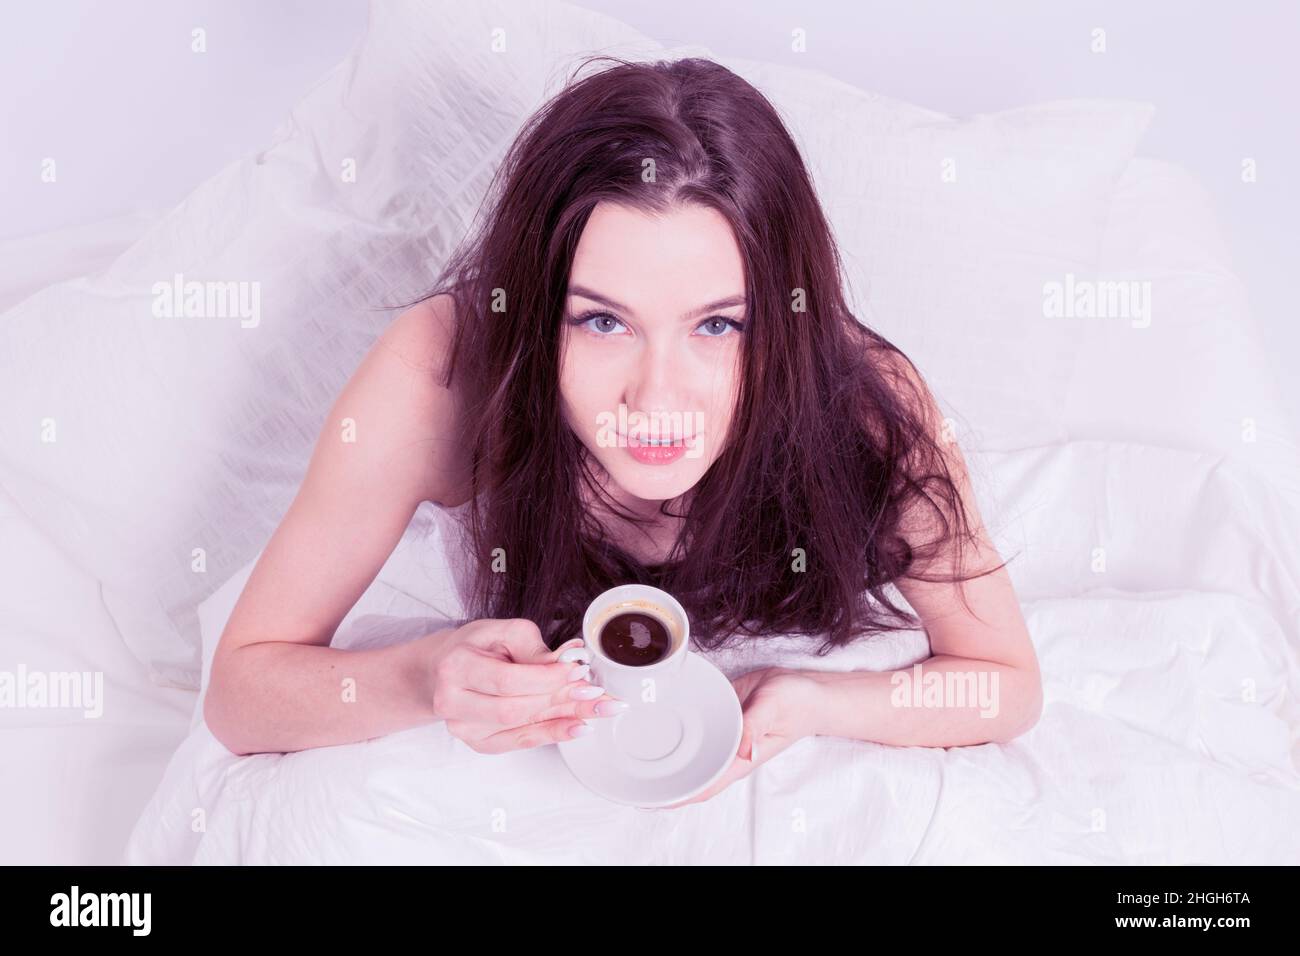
x: 645, y: 683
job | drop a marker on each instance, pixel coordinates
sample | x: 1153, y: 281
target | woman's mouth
x: 656, y: 451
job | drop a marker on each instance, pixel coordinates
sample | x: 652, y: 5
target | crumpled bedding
x: 1167, y: 734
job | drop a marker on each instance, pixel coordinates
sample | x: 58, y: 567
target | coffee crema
x: 635, y: 638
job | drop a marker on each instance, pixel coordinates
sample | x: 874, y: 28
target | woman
x: 640, y: 367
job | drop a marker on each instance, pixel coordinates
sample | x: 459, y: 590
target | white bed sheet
x: 72, y: 786
x: 30, y: 263
x: 1167, y: 735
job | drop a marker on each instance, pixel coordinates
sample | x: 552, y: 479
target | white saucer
x: 652, y: 755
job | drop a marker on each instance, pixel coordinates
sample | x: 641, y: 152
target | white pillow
x: 1191, y: 373
x: 161, y: 452
x: 949, y: 228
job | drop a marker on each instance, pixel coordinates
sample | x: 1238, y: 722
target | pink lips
x: 655, y: 454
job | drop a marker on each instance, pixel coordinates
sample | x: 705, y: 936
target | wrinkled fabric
x: 1170, y: 701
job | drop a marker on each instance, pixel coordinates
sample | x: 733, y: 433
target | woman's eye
x: 605, y: 325
x: 717, y: 327
x: 599, y: 322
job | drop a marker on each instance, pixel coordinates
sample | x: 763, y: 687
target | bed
x: 74, y: 786
x: 1141, y: 477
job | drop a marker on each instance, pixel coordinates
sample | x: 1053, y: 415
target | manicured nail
x: 578, y: 730
x: 607, y: 707
x: 579, y: 672
x: 575, y: 654
x: 590, y: 692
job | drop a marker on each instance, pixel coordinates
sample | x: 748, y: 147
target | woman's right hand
x: 499, y: 688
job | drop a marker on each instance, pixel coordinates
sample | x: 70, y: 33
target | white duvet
x: 1169, y: 663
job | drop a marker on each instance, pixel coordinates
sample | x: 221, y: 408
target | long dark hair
x: 830, y: 445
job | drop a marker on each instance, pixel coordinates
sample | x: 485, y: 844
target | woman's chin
x: 656, y: 482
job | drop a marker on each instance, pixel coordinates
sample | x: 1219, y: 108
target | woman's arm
x: 282, y: 696
x: 982, y: 683
x: 942, y: 702
x: 387, y: 444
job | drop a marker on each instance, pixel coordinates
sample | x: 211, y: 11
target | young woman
x: 639, y: 367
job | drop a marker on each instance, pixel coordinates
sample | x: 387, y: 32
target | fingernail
x: 579, y: 730
x: 590, y: 692
x: 579, y: 672
x: 575, y: 654
x: 570, y: 643
x: 607, y: 707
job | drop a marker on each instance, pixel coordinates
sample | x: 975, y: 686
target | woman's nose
x: 660, y: 381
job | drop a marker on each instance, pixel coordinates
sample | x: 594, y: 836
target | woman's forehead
x: 669, y: 263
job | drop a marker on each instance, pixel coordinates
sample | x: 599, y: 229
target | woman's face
x: 651, y: 345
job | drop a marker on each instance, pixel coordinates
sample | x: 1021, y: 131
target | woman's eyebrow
x: 612, y: 304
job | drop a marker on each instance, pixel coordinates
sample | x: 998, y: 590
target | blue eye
x: 602, y: 323
x: 718, y: 327
x: 605, y: 325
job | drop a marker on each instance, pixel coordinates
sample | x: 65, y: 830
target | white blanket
x: 1170, y: 671
x: 73, y: 785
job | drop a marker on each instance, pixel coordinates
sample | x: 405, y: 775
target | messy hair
x: 833, y: 452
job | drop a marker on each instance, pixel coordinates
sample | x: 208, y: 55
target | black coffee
x: 635, y: 639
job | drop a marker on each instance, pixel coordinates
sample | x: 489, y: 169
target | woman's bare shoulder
x: 421, y: 336
x: 407, y: 375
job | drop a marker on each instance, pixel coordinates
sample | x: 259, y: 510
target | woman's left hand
x: 775, y: 705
